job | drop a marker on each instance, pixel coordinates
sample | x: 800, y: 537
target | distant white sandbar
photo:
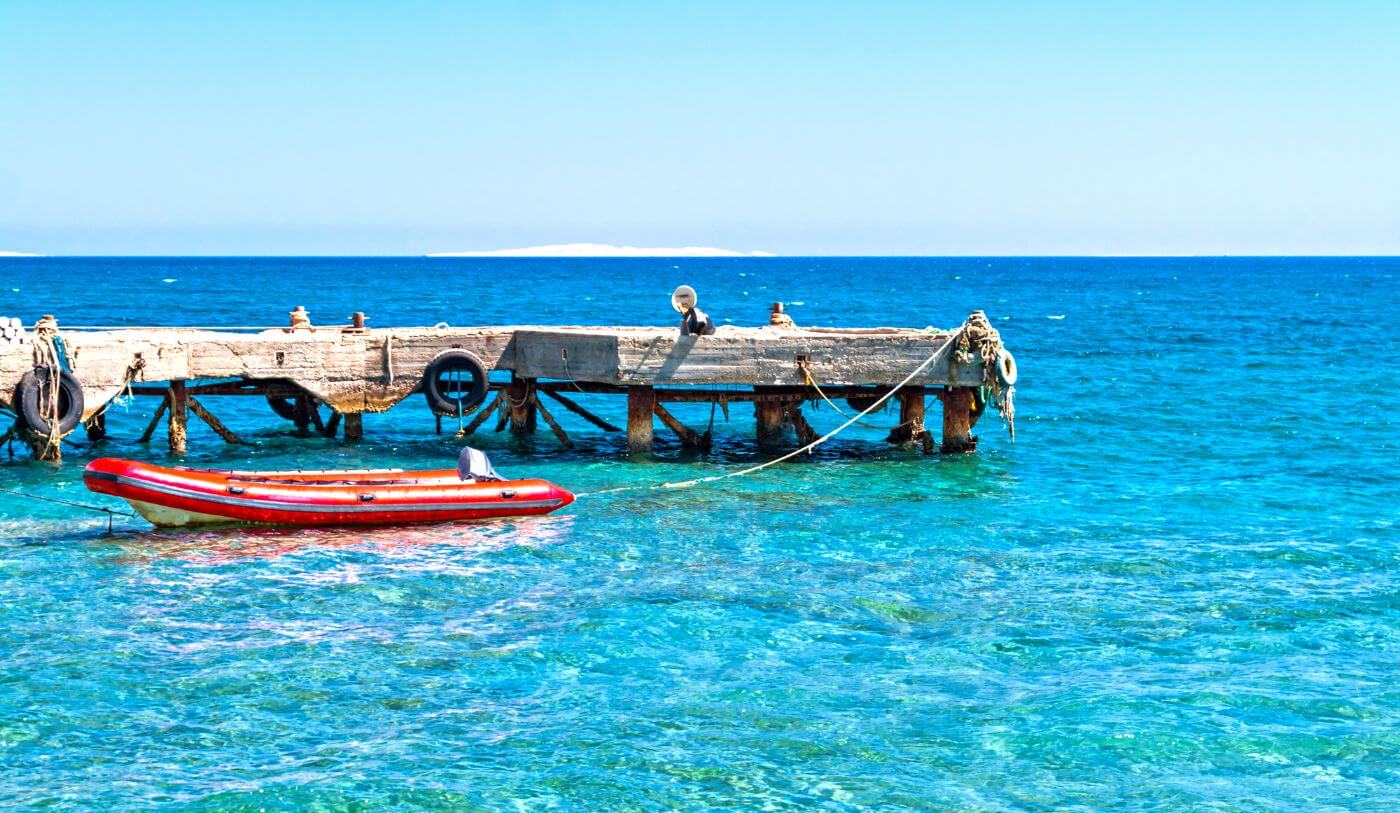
x: 603, y: 250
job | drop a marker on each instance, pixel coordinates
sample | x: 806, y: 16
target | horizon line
x: 745, y: 257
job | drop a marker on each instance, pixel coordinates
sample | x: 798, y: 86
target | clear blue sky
x: 800, y: 128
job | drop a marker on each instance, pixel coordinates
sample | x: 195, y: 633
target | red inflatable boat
x: 184, y: 496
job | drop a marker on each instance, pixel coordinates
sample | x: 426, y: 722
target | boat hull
x: 177, y: 496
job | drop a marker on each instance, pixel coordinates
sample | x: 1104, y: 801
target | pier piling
x: 641, y: 404
x: 179, y: 416
x: 523, y: 414
x: 769, y: 415
x: 354, y: 426
x: 911, y: 429
x: 957, y: 421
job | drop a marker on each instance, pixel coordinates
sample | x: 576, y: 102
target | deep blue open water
x: 1179, y: 588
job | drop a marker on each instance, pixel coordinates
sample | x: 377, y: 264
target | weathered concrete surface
x: 348, y: 370
x: 371, y: 370
x: 738, y: 356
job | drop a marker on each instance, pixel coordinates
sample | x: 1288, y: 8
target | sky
x: 820, y: 128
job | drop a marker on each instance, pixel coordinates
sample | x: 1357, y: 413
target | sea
x: 1177, y: 588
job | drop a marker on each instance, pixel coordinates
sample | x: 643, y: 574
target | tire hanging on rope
x: 455, y: 383
x: 46, y: 412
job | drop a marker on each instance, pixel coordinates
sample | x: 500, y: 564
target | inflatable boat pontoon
x: 185, y: 496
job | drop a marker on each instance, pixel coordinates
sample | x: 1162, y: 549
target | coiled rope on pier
x: 978, y: 340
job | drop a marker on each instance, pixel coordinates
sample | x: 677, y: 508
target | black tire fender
x: 860, y: 403
x: 455, y: 361
x: 32, y: 394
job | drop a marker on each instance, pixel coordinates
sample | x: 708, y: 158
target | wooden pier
x: 352, y: 369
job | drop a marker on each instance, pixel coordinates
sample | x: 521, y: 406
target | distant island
x: 18, y: 254
x: 603, y: 250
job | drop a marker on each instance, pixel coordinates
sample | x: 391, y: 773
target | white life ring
x: 1006, y: 369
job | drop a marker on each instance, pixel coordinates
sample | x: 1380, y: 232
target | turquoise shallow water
x: 1177, y: 588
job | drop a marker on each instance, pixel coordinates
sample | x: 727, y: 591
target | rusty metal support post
x: 641, y: 403
x: 957, y: 421
x: 768, y: 414
x: 522, y: 407
x: 179, y: 416
x: 911, y: 406
x: 911, y: 427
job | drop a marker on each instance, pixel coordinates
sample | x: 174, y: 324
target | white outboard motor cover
x: 474, y: 465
